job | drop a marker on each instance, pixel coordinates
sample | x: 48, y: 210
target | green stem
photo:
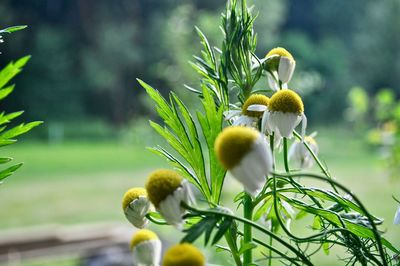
x: 270, y: 243
x: 360, y: 204
x: 233, y: 247
x: 279, y: 239
x: 272, y: 146
x: 247, y: 232
x: 244, y: 9
x: 285, y: 155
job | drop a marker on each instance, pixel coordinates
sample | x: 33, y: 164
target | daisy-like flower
x: 281, y: 66
x: 183, y: 254
x: 397, y: 216
x: 300, y: 155
x: 285, y: 112
x: 252, y: 110
x: 146, y: 248
x: 136, y: 205
x: 166, y: 189
x: 245, y: 154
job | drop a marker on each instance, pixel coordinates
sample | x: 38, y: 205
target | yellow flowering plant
x: 283, y: 219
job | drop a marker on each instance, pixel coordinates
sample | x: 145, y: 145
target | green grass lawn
x: 84, y: 182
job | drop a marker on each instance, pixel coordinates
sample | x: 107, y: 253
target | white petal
x: 257, y: 108
x: 137, y: 210
x: 303, y: 126
x: 283, y: 123
x: 231, y: 113
x: 148, y: 252
x: 264, y: 124
x: 286, y: 69
x: 300, y: 156
x: 170, y: 208
x: 272, y: 81
x: 254, y: 167
x: 397, y: 217
x: 244, y: 120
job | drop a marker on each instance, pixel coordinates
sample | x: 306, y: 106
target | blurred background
x: 81, y: 80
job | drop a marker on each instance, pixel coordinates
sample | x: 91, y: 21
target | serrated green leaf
x: 13, y: 29
x: 18, y: 130
x: 263, y: 208
x: 9, y: 171
x: 11, y: 70
x: 211, y: 224
x: 223, y: 227
x: 6, y: 118
x: 4, y: 160
x: 4, y: 92
x: 5, y: 142
x: 325, y: 247
x: 194, y: 232
x: 317, y: 223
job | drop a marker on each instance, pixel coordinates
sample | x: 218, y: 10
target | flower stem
x: 272, y: 145
x: 279, y: 239
x: 247, y: 232
x: 285, y: 155
x: 270, y: 243
x: 233, y: 247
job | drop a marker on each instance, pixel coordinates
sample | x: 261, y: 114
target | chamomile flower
x: 183, y: 254
x: 281, y: 65
x: 146, y: 248
x: 300, y: 155
x: 397, y: 216
x: 245, y: 154
x: 166, y: 189
x: 252, y: 110
x: 136, y: 205
x: 285, y: 112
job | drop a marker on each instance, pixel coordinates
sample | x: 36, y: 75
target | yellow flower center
x: 183, y: 255
x: 141, y: 236
x: 286, y: 101
x: 254, y: 99
x: 233, y: 143
x: 131, y: 195
x: 162, y: 183
x: 280, y: 52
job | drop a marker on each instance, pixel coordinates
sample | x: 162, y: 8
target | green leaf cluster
x: 9, y: 133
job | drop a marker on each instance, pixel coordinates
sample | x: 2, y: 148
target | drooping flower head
x: 300, y: 155
x: 166, y: 189
x: 146, y: 248
x: 246, y: 155
x: 285, y: 112
x: 184, y: 254
x: 136, y: 205
x: 252, y: 110
x: 255, y: 105
x: 281, y: 65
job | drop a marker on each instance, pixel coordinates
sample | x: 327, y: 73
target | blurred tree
x: 87, y: 54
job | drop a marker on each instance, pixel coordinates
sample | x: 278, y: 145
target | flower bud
x: 166, y: 189
x: 285, y: 112
x: 246, y: 155
x: 146, y: 248
x: 136, y: 205
x: 280, y: 61
x: 184, y: 254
